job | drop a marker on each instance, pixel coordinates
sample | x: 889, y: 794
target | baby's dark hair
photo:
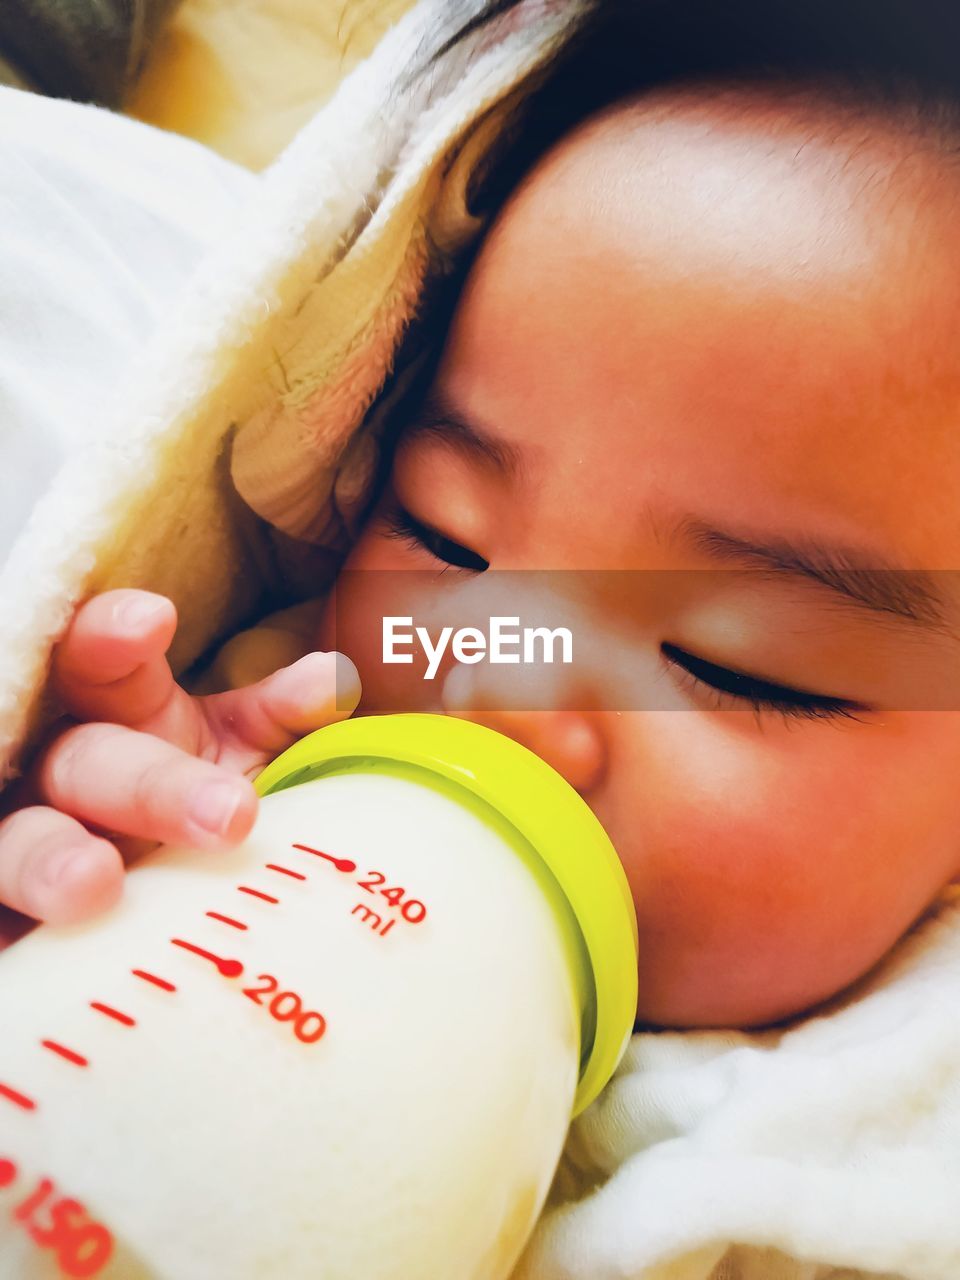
x: 893, y: 59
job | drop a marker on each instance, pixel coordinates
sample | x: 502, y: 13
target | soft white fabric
x: 101, y: 221
x: 830, y: 1148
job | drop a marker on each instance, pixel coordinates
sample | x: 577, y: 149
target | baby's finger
x: 110, y: 665
x: 52, y: 869
x: 267, y: 717
x: 139, y: 785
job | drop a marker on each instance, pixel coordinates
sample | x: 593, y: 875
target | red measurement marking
x: 82, y: 1248
x: 255, y: 893
x: 18, y: 1099
x: 162, y: 983
x: 8, y: 1171
x: 235, y: 924
x: 229, y: 968
x: 113, y: 1013
x: 285, y: 871
x: 342, y: 864
x: 77, y: 1059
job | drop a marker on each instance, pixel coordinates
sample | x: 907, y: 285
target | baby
x: 713, y: 330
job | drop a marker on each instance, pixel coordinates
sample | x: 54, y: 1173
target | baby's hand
x: 148, y: 760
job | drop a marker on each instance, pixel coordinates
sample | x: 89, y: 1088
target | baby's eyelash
x: 728, y: 687
x: 761, y: 695
x: 401, y: 524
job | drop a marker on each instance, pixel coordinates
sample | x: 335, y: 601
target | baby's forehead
x: 777, y: 262
x: 756, y: 185
x: 773, y: 131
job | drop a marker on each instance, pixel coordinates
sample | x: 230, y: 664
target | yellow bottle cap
x: 547, y: 813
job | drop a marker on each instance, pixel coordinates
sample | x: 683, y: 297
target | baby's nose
x: 571, y: 742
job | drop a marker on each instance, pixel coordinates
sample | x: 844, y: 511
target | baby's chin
x: 711, y: 1006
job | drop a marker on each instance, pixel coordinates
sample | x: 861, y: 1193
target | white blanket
x: 831, y: 1148
x: 102, y: 221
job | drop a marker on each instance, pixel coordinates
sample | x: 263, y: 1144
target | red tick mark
x: 8, y: 1171
x: 342, y: 864
x: 255, y: 893
x: 152, y: 978
x: 285, y: 871
x: 113, y: 1013
x: 229, y: 968
x: 235, y: 924
x: 18, y: 1099
x: 77, y: 1059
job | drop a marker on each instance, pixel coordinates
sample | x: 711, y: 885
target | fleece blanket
x: 824, y: 1150
x: 238, y: 455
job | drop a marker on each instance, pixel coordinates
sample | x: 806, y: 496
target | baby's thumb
x: 268, y: 716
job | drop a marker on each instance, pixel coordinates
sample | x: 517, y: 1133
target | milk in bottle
x: 349, y: 1048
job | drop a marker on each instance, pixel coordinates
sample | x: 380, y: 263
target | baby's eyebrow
x: 910, y: 595
x: 438, y: 416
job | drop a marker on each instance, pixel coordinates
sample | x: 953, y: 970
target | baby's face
x: 717, y: 337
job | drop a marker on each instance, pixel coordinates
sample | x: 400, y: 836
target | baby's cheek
x: 771, y: 869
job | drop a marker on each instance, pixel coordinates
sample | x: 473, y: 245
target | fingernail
x: 213, y: 805
x: 307, y: 683
x: 136, y: 611
x: 300, y: 679
x: 346, y: 683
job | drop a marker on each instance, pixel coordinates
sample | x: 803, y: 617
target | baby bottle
x: 348, y: 1049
